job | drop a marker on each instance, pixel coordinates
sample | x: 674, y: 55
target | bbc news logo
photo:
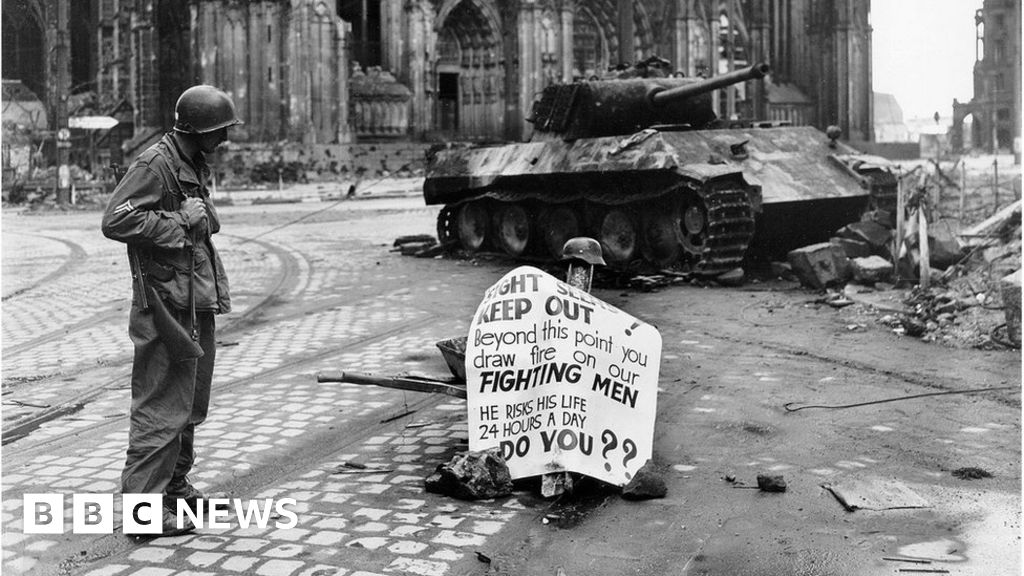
x: 143, y: 513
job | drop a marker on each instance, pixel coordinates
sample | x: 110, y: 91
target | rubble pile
x: 973, y: 302
x: 38, y: 189
x: 968, y: 295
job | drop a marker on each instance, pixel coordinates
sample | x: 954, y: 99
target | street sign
x: 92, y: 122
x: 63, y: 135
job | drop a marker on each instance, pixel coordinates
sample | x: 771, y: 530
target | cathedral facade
x: 342, y: 71
x: 474, y: 67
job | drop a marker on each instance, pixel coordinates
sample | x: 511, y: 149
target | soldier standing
x: 162, y: 210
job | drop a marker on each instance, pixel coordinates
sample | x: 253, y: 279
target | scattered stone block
x: 782, y: 270
x: 876, y: 235
x: 871, y: 269
x: 944, y: 248
x: 820, y: 265
x: 472, y: 476
x: 771, y: 483
x: 1010, y: 287
x: 852, y: 248
x: 646, y: 485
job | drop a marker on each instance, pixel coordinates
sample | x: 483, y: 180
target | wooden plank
x: 413, y: 383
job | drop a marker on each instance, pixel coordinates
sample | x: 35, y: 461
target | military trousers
x: 169, y: 399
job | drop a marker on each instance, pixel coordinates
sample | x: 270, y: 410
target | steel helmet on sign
x: 586, y: 249
x: 202, y: 109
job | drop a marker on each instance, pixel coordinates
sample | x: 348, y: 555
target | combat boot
x: 170, y: 523
x: 182, y: 489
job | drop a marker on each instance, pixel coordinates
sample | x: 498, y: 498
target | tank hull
x: 686, y: 192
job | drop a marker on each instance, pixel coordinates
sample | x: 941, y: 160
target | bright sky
x: 923, y: 53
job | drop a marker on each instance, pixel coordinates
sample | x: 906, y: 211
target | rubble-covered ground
x: 963, y: 305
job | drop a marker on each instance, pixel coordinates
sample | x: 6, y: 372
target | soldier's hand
x: 194, y: 210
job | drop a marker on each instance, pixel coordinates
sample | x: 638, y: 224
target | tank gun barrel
x: 663, y: 96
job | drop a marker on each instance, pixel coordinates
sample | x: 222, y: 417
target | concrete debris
x: 875, y: 494
x: 771, y: 483
x: 871, y: 269
x: 851, y: 247
x: 782, y: 270
x: 472, y: 476
x: 971, y: 473
x: 875, y: 235
x: 418, y: 245
x: 999, y: 226
x: 414, y: 239
x: 651, y: 282
x: 944, y: 249
x: 1010, y: 289
x: 820, y: 265
x: 646, y: 485
x: 881, y: 217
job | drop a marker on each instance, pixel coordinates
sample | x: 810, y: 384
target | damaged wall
x: 242, y: 163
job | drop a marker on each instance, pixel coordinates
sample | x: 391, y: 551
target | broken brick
x: 820, y: 265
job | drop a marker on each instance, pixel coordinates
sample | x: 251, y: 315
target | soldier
x: 162, y: 210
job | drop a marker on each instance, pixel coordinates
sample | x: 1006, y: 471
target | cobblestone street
x: 317, y: 287
x: 335, y: 300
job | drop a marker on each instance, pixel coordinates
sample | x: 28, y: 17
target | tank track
x: 730, y: 226
x: 726, y: 235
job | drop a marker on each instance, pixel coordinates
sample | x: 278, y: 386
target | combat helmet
x: 586, y: 249
x: 202, y: 109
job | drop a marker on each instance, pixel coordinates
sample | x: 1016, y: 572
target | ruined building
x: 995, y: 108
x: 328, y: 75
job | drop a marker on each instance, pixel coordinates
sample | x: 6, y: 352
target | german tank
x: 638, y: 161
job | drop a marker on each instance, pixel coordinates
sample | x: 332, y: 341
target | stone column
x: 528, y: 68
x: 145, y: 77
x: 683, y: 58
x: 568, y: 11
x: 344, y: 131
x: 419, y: 51
x: 626, y: 55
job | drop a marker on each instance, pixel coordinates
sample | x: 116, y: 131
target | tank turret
x: 623, y: 106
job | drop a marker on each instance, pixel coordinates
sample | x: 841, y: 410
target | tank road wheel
x: 693, y: 227
x: 662, y: 241
x: 557, y: 224
x: 617, y: 232
x: 511, y: 228
x: 471, y: 223
x: 447, y: 230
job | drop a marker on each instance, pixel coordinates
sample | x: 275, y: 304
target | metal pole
x: 900, y: 210
x: 62, y: 61
x: 922, y: 242
x: 963, y: 191
x: 995, y: 183
x: 730, y: 92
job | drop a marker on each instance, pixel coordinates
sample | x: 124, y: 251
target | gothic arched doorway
x: 469, y: 74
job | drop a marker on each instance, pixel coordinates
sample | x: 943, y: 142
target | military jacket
x: 144, y: 212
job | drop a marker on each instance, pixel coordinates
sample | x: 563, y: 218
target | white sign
x: 561, y: 381
x: 92, y: 122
